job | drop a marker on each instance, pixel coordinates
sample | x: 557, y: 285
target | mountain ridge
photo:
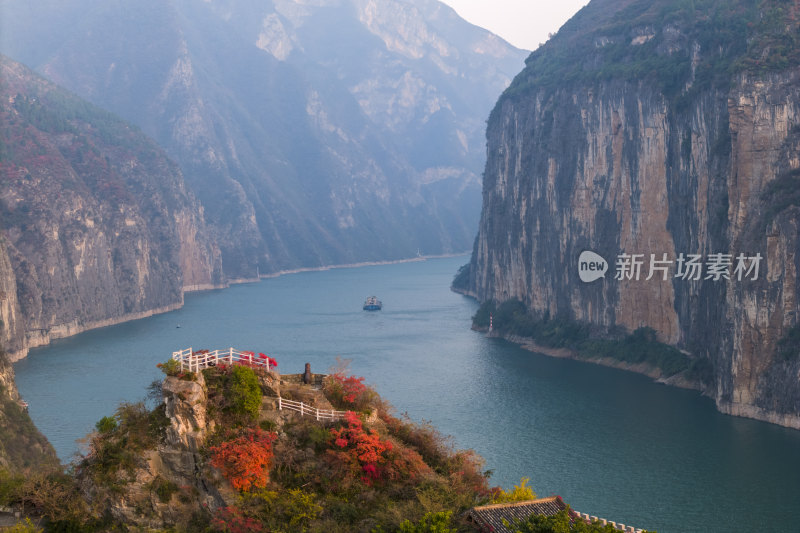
x: 303, y: 152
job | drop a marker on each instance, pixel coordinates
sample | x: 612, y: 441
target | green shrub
x: 171, y: 367
x: 430, y: 523
x: 107, y: 424
x: 244, y: 392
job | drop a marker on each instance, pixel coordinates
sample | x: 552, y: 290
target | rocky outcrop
x: 178, y: 457
x: 314, y: 133
x: 185, y: 403
x: 171, y: 480
x: 97, y: 226
x: 639, y: 130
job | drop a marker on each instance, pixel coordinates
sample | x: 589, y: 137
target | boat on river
x: 372, y: 304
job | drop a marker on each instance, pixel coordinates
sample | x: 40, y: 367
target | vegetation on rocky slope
x: 275, y: 470
x: 695, y: 42
x: 22, y: 447
x: 206, y: 460
x: 511, y: 318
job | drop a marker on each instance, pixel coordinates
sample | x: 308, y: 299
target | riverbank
x: 653, y: 372
x: 43, y: 337
x: 355, y: 265
x: 679, y: 380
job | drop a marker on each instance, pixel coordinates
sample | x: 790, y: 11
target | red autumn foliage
x: 269, y: 360
x: 232, y: 520
x: 348, y: 392
x: 245, y: 460
x: 352, y: 387
x: 363, y: 451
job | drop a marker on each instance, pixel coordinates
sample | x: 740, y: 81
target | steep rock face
x: 22, y: 447
x: 646, y: 144
x: 97, y: 226
x: 314, y: 133
x: 12, y: 328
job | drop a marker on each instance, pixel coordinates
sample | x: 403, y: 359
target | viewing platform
x: 192, y: 361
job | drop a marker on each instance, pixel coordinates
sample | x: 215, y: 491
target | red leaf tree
x: 245, y: 459
x: 363, y: 451
x: 348, y: 392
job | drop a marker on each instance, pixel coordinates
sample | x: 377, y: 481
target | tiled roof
x: 490, y: 517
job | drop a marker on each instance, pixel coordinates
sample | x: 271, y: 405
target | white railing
x: 617, y: 527
x: 303, y: 409
x: 197, y: 361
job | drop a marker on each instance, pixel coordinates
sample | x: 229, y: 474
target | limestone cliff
x: 657, y: 128
x: 96, y: 225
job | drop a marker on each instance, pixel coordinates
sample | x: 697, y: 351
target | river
x: 612, y: 443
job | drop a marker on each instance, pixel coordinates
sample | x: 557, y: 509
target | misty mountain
x: 313, y: 132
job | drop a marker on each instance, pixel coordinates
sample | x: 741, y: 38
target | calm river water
x: 611, y: 443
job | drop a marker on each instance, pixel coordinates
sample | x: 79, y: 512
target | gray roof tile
x: 490, y: 517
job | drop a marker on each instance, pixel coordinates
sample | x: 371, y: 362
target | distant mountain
x: 96, y: 224
x: 314, y: 132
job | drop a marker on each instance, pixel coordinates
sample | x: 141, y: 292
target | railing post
x: 280, y: 403
x: 230, y: 356
x: 317, y: 410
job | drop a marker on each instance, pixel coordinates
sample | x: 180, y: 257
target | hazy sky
x: 523, y: 23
